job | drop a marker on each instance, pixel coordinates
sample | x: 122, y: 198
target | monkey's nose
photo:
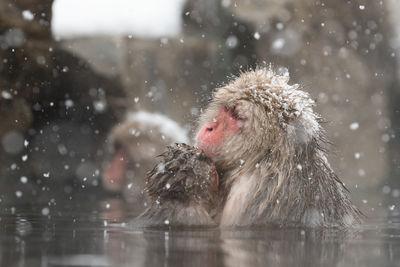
x: 210, y: 127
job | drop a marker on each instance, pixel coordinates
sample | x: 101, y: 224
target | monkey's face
x: 213, y: 134
x: 253, y: 116
x: 231, y: 128
x: 132, y: 150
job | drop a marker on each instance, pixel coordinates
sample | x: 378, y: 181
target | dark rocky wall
x: 55, y: 106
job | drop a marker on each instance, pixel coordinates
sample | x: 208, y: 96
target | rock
x: 46, y: 94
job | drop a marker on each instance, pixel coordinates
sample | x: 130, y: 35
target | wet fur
x: 182, y: 189
x: 174, y: 213
x: 276, y: 171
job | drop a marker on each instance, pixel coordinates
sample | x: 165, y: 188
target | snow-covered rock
x: 151, y: 18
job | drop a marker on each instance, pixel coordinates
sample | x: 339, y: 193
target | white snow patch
x: 167, y: 126
x: 152, y: 18
x: 6, y: 94
x: 45, y: 211
x: 354, y: 126
x: 24, y: 179
x: 28, y: 15
x: 280, y: 26
x: 18, y: 194
x: 278, y: 43
x: 232, y: 41
x: 69, y: 103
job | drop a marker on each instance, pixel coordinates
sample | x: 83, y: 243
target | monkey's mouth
x: 208, y: 150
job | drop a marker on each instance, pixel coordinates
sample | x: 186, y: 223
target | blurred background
x: 70, y: 71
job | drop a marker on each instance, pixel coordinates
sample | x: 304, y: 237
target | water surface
x: 95, y: 235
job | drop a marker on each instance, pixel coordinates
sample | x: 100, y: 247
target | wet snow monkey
x: 133, y: 145
x: 269, y: 150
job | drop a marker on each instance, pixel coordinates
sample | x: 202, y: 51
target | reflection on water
x: 74, y: 236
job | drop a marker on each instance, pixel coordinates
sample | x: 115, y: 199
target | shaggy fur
x: 182, y: 189
x: 275, y: 171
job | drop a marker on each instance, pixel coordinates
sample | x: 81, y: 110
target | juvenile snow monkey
x: 134, y: 145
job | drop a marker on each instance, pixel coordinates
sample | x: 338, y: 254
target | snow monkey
x: 134, y: 144
x: 182, y: 189
x: 270, y: 152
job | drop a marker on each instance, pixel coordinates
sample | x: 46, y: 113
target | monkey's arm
x: 174, y: 213
x: 181, y: 189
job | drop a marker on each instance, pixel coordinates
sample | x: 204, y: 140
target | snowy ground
x: 150, y: 18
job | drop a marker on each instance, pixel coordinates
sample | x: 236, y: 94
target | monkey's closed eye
x: 234, y: 113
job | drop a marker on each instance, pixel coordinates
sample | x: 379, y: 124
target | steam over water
x: 99, y: 237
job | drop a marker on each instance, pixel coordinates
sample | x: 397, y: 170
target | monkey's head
x: 255, y: 117
x: 134, y: 143
x: 184, y: 174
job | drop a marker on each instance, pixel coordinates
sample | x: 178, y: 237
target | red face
x: 114, y: 174
x: 213, y: 134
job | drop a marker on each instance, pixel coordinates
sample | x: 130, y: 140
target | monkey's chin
x: 208, y: 150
